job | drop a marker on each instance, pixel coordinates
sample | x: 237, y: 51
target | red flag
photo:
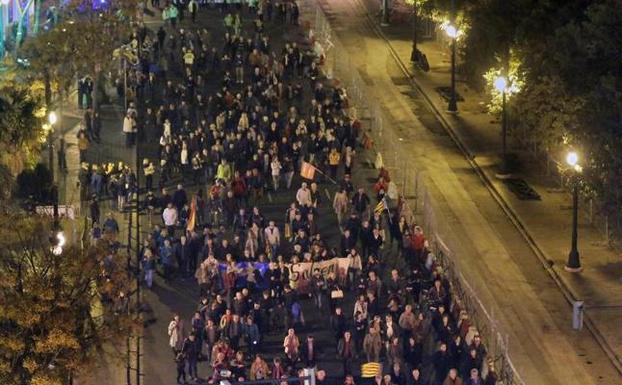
x: 192, y: 218
x: 307, y: 170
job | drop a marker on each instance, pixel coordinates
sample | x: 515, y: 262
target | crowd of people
x: 235, y: 117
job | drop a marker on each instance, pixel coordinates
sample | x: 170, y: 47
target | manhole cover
x: 521, y: 189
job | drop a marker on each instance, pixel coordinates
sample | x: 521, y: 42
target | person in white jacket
x: 129, y: 128
x: 275, y: 167
x: 176, y: 334
x: 169, y: 216
x: 303, y: 195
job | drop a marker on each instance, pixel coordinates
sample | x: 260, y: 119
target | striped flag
x: 371, y: 369
x: 192, y: 218
x: 381, y: 206
x: 307, y: 170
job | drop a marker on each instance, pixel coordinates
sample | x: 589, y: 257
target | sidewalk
x: 111, y: 366
x: 547, y: 221
x: 489, y: 250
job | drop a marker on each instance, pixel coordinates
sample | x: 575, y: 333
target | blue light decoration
x: 94, y: 5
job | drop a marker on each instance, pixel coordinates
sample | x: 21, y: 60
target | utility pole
x: 129, y: 276
x: 414, y: 55
x: 138, y: 262
x: 453, y: 103
x: 385, y: 13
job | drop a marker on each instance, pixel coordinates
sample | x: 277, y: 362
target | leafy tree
x: 36, y: 184
x: 50, y: 323
x: 564, y: 55
x: 82, y: 43
x: 50, y: 55
x: 21, y: 124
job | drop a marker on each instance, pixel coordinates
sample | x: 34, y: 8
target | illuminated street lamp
x: 501, y: 85
x: 59, y: 241
x: 574, y: 263
x: 452, y: 32
x: 52, y: 118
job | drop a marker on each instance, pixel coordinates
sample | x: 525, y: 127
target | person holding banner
x: 318, y: 287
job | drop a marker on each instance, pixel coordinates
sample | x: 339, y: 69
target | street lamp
x: 452, y: 32
x: 60, y: 241
x: 574, y: 263
x: 52, y: 118
x: 501, y: 85
x: 414, y: 55
x: 385, y: 13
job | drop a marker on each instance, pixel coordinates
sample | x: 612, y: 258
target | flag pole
x: 386, y: 207
x: 329, y: 178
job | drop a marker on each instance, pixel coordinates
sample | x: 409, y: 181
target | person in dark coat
x: 96, y: 126
x: 348, y: 242
x: 338, y: 323
x: 180, y: 198
x: 442, y: 362
x: 183, y: 254
x: 360, y: 202
x: 413, y: 354
x: 180, y: 362
x: 469, y: 362
x: 310, y: 352
x: 253, y: 336
x: 191, y: 350
x: 94, y: 211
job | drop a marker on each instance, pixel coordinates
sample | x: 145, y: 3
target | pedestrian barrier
x: 418, y: 206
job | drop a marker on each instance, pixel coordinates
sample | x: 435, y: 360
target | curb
x: 507, y: 209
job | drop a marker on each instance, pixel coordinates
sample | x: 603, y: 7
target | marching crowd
x: 236, y: 117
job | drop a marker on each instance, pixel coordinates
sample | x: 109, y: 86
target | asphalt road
x: 491, y: 254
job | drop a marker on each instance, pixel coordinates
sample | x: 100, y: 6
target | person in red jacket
x: 238, y: 185
x: 380, y: 188
x: 418, y: 243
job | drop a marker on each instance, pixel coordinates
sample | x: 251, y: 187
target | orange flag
x: 192, y: 218
x: 307, y: 170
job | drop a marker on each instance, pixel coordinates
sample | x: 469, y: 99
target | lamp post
x: 574, y: 263
x: 501, y: 85
x: 452, y: 32
x: 414, y: 55
x: 385, y: 13
x: 52, y: 119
